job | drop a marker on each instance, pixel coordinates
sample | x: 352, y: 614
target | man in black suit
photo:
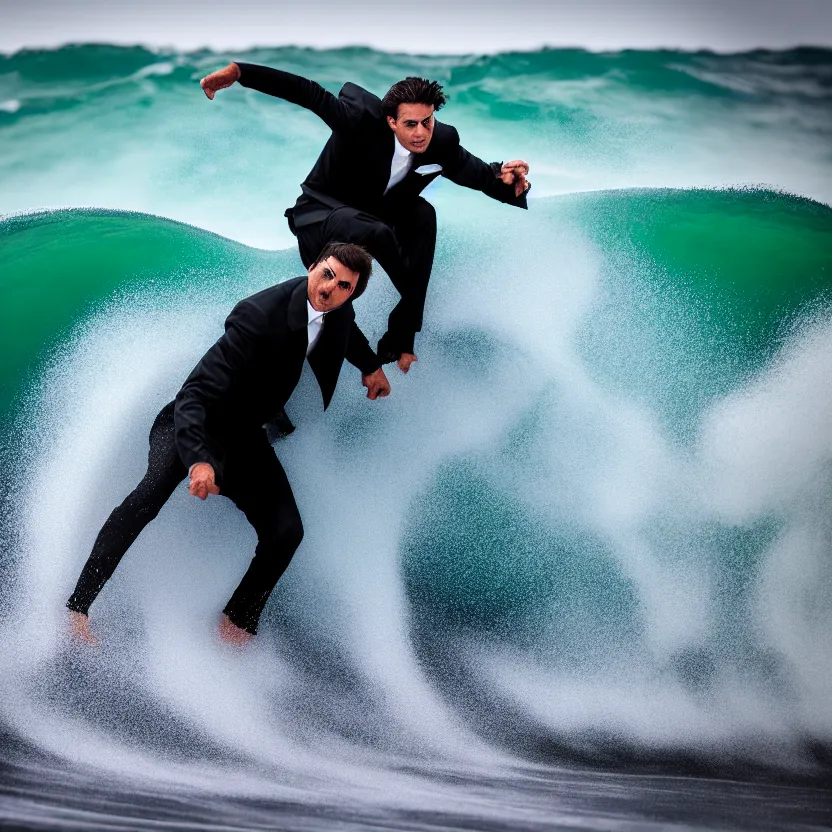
x: 365, y: 186
x: 213, y: 431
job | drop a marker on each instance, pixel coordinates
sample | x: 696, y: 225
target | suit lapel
x: 325, y: 359
x: 297, y: 321
x: 384, y: 158
x: 296, y: 316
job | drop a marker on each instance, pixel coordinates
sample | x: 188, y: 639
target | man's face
x: 331, y: 284
x: 413, y: 126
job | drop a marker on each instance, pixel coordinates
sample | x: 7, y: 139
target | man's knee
x: 276, y: 548
x: 419, y: 217
x: 285, y: 535
x: 146, y: 500
x: 424, y: 212
x: 381, y: 236
x: 350, y: 226
x: 290, y: 533
x: 158, y: 483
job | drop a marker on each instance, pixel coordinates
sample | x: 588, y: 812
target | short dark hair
x: 412, y: 91
x: 356, y: 258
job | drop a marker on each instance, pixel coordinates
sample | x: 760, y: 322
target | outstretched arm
x: 293, y: 88
x: 503, y: 182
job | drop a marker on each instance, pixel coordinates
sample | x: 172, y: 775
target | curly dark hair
x: 356, y: 258
x: 412, y: 91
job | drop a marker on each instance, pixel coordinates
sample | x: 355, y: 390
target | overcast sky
x: 451, y: 26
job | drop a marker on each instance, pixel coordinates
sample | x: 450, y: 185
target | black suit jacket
x: 247, y: 376
x: 354, y: 166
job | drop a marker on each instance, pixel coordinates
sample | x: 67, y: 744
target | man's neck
x: 398, y: 148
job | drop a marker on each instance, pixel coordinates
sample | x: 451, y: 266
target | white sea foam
x: 158, y: 614
x: 595, y: 460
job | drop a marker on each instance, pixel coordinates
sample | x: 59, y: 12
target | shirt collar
x: 312, y: 313
x: 399, y: 149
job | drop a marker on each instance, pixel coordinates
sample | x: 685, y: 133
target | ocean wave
x: 590, y: 529
x: 129, y: 129
x: 583, y: 517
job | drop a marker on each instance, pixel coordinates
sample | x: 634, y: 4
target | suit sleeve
x: 359, y: 352
x: 338, y: 113
x: 211, y: 381
x: 471, y: 172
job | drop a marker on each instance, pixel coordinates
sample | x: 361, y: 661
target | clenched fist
x: 202, y: 481
x: 220, y: 79
x: 377, y: 384
x: 516, y: 172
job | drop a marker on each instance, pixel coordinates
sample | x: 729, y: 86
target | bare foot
x: 406, y: 359
x: 230, y: 633
x: 79, y: 628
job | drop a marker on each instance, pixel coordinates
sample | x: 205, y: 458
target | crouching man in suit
x: 213, y: 432
x: 365, y: 187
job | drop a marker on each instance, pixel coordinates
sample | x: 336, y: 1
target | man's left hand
x: 406, y: 360
x: 515, y: 172
x: 377, y: 384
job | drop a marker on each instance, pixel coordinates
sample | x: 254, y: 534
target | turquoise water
x: 592, y: 525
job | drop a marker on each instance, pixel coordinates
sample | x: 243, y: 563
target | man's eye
x: 344, y: 285
x: 328, y: 274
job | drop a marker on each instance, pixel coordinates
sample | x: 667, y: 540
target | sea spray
x: 589, y: 527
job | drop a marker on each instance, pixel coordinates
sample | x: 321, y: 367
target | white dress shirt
x: 314, y: 327
x: 400, y: 165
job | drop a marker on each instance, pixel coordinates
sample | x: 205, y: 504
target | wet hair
x: 412, y: 91
x: 356, y: 258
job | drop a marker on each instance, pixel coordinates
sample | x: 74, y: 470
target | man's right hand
x: 377, y: 384
x: 220, y: 79
x: 202, y: 481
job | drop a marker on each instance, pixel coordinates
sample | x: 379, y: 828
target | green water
x: 59, y: 267
x: 600, y: 500
x: 703, y: 286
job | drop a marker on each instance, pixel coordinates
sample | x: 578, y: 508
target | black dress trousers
x: 254, y: 479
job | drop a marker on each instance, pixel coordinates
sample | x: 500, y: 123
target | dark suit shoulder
x: 266, y: 309
x: 362, y: 102
x: 272, y: 296
x: 445, y: 140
